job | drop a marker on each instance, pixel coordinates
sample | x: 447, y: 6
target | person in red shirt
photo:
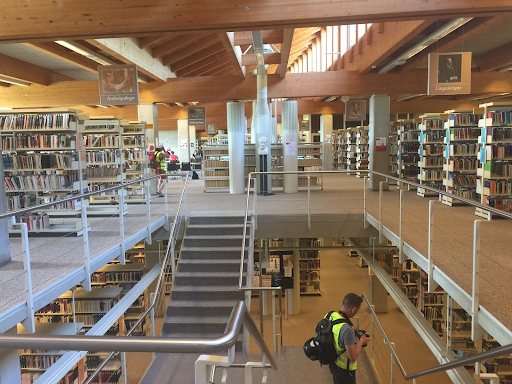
x: 173, y: 157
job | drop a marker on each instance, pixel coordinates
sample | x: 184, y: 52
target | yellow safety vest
x: 343, y: 359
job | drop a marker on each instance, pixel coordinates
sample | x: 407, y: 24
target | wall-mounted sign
x: 290, y: 149
x: 211, y: 129
x: 449, y: 73
x: 197, y: 116
x: 380, y: 144
x: 355, y: 110
x: 118, y: 84
x: 305, y: 125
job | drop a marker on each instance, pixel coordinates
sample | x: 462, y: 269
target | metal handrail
x: 500, y: 351
x: 158, y: 289
x: 239, y: 316
x: 75, y: 197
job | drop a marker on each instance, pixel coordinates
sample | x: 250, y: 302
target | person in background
x: 160, y: 155
x: 200, y: 152
x: 173, y: 157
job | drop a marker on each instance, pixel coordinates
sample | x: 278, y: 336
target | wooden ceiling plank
x: 269, y: 58
x: 205, y: 68
x: 190, y: 50
x: 495, y: 59
x: 102, y: 19
x: 213, y: 70
x: 272, y: 36
x: 149, y: 41
x: 199, y: 62
x: 65, y: 54
x: 234, y: 52
x: 21, y: 70
x: 471, y: 29
x: 127, y: 51
x: 174, y: 45
x: 199, y: 56
x: 285, y: 52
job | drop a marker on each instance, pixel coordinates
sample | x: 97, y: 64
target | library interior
x: 190, y: 187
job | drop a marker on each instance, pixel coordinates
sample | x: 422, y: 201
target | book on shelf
x: 35, y: 121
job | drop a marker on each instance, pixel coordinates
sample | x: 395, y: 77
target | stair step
x: 207, y: 278
x: 212, y: 253
x: 215, y: 241
x: 216, y: 220
x: 202, y: 293
x: 200, y: 308
x: 195, y: 325
x: 211, y: 265
x: 215, y: 229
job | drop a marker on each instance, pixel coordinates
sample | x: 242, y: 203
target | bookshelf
x: 409, y: 280
x: 393, y: 148
x: 494, y: 182
x: 461, y: 152
x: 310, y: 159
x: 216, y: 167
x: 339, y: 149
x: 362, y: 150
x: 351, y: 146
x: 135, y: 158
x: 43, y: 163
x: 431, y: 152
x: 408, y: 149
x: 102, y: 141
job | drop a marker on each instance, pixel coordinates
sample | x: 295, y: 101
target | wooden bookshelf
x: 393, y: 148
x: 339, y: 150
x: 136, y: 157
x: 351, y: 146
x: 494, y: 182
x: 408, y: 149
x: 362, y: 150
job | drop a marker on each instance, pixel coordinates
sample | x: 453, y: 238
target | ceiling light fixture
x: 9, y: 80
x: 410, y: 97
x: 101, y: 106
x: 84, y: 51
x: 488, y: 96
x: 331, y: 98
x: 179, y: 104
x: 426, y: 42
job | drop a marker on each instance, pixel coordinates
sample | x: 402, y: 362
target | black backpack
x: 195, y: 176
x: 321, y: 346
x: 155, y: 164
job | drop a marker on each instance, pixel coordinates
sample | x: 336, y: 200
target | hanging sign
x: 211, y: 129
x: 380, y: 144
x: 355, y: 110
x: 449, y: 73
x: 304, y: 125
x: 197, y: 116
x: 118, y: 84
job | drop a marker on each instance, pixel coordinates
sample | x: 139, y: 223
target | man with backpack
x: 159, y: 167
x: 347, y: 347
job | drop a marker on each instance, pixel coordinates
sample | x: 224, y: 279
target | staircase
x: 204, y: 292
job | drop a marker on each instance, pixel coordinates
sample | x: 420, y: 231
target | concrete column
x: 326, y: 123
x: 379, y: 128
x: 253, y: 128
x: 273, y: 128
x: 191, y: 141
x: 183, y: 142
x: 262, y: 130
x: 10, y: 363
x: 5, y: 252
x: 289, y: 143
x: 149, y: 114
x: 236, y: 134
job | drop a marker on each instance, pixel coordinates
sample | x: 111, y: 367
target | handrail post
x: 166, y: 195
x: 401, y: 255
x: 122, y: 256
x: 392, y: 375
x: 365, y: 221
x: 274, y: 328
x: 185, y: 199
x: 381, y: 189
x: 309, y: 194
x: 431, y: 282
x: 255, y: 202
x: 152, y: 316
x: 29, y: 322
x: 86, y: 283
x: 476, y: 329
x: 148, y: 203
x: 280, y: 319
x: 372, y: 330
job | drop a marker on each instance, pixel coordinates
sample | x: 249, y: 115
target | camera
x: 360, y: 333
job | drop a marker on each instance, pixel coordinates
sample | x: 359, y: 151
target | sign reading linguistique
x: 197, y: 116
x: 449, y: 73
x: 211, y: 129
x: 118, y: 84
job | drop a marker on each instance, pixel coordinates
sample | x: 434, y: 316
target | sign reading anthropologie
x: 118, y: 84
x: 449, y: 73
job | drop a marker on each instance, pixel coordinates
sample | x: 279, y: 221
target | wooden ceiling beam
x: 174, y: 45
x: 211, y: 65
x: 272, y: 36
x: 202, y: 58
x: 65, y: 54
x: 21, y: 70
x: 285, y: 52
x: 222, y: 71
x: 269, y: 58
x: 471, y: 29
x: 233, y: 51
x: 497, y: 58
x: 190, y: 50
x: 127, y: 51
x: 201, y: 63
x: 216, y: 69
x: 150, y: 41
x: 103, y: 19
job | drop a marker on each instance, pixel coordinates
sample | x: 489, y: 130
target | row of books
x: 414, y: 135
x: 41, y: 141
x: 134, y: 141
x: 216, y: 163
x: 89, y: 320
x: 112, y: 277
x: 410, y: 158
x: 464, y: 164
x: 432, y: 149
x: 500, y: 117
x: 433, y: 299
x: 135, y: 155
x: 31, y: 121
x: 94, y: 305
x: 308, y: 254
x: 433, y: 124
x: 363, y: 147
x: 58, y: 306
x: 410, y: 291
x: 469, y: 194
x: 216, y: 172
x: 36, y: 222
x: 410, y: 172
x: 461, y: 180
x: 505, y: 204
x: 310, y: 264
x: 107, y: 377
x: 432, y: 313
x: 499, y: 187
x: 410, y: 147
x: 103, y: 171
x: 407, y: 279
x: 312, y: 242
x: 501, y: 169
x: 40, y: 182
x: 99, y: 141
x: 102, y: 157
x: 432, y: 174
x: 54, y: 319
x: 465, y: 118
x: 309, y: 276
x: 37, y: 361
x: 465, y: 133
x: 437, y: 136
x: 463, y: 149
x: 37, y: 161
x: 434, y: 161
x: 501, y: 151
x: 498, y: 133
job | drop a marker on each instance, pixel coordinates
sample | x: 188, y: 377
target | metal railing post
x: 431, y: 283
x: 280, y: 319
x: 365, y: 221
x: 29, y: 322
x: 381, y: 189
x: 122, y: 256
x: 148, y: 203
x: 274, y: 328
x: 255, y: 202
x: 476, y: 330
x: 392, y: 375
x: 86, y: 283
x: 166, y: 195
x: 372, y: 330
x: 401, y: 255
x: 309, y: 194
x: 185, y: 201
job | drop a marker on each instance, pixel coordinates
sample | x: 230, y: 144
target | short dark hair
x: 351, y: 300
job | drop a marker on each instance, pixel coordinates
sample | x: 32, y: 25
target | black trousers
x: 342, y: 376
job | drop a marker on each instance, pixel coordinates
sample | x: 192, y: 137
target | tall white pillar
x: 326, y: 125
x: 274, y: 130
x: 290, y: 161
x: 253, y: 127
x: 5, y: 252
x: 10, y: 363
x: 236, y: 133
x: 262, y: 131
x: 149, y: 114
x: 183, y: 141
x: 379, y: 128
x: 191, y: 141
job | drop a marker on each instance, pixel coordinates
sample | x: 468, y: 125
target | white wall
x: 169, y: 139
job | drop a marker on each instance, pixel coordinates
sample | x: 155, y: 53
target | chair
x: 172, y: 167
